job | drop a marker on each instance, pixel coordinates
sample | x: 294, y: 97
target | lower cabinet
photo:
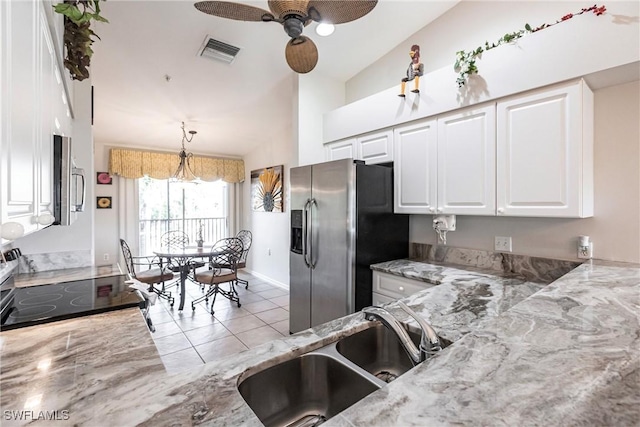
x: 389, y: 287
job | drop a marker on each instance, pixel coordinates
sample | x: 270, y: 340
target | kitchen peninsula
x: 566, y: 355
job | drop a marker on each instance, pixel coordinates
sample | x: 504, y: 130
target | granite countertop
x: 566, y: 354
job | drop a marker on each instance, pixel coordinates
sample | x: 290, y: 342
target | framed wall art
x: 103, y: 202
x: 103, y: 178
x: 267, y: 189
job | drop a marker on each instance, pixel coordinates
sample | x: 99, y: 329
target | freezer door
x: 299, y: 273
x: 332, y: 240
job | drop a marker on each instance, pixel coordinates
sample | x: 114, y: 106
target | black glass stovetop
x: 48, y: 303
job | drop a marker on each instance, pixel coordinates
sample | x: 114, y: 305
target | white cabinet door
x: 344, y: 149
x: 415, y: 167
x: 48, y: 100
x: 379, y: 299
x: 466, y: 162
x: 20, y: 111
x: 545, y: 153
x: 376, y: 147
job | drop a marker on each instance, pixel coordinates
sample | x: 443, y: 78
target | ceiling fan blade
x: 237, y: 11
x: 302, y: 54
x: 339, y: 12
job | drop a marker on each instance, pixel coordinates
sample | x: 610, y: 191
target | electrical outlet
x: 105, y: 257
x: 503, y: 244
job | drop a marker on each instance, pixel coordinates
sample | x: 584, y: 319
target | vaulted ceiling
x: 148, y: 76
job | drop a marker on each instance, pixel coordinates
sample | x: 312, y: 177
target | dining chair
x: 245, y: 237
x: 222, y: 269
x: 155, y: 272
x: 177, y: 239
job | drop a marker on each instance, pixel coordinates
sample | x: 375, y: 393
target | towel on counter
x: 143, y: 288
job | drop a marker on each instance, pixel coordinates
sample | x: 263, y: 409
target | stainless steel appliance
x: 342, y: 221
x: 68, y: 183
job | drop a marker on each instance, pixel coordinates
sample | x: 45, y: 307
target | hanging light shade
x: 185, y: 167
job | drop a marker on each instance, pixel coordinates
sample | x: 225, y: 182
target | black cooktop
x: 48, y: 303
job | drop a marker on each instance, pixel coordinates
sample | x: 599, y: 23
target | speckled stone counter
x: 566, y: 355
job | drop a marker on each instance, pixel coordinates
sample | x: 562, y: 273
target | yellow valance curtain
x: 136, y: 164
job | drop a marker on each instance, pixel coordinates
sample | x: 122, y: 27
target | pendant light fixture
x: 185, y: 168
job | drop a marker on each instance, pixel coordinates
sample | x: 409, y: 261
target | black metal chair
x: 223, y: 269
x: 155, y: 272
x: 246, y: 238
x: 177, y: 239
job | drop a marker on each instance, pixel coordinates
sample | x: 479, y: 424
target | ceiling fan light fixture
x: 324, y: 29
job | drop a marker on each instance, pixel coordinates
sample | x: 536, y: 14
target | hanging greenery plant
x: 78, y: 34
x: 465, y: 64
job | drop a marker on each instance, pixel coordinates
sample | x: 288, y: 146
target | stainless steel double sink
x: 315, y: 386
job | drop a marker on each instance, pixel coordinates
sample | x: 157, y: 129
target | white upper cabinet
x: 19, y: 113
x: 33, y: 107
x: 466, y: 162
x: 545, y: 153
x: 338, y: 150
x: 375, y: 147
x: 415, y: 167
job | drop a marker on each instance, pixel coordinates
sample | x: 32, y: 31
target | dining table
x: 181, y: 258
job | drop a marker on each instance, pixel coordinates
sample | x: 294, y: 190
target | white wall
x: 107, y: 220
x: 79, y: 235
x: 271, y: 230
x: 468, y: 25
x: 615, y: 228
x: 317, y: 95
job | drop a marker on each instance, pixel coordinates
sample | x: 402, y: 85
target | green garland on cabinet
x: 78, y: 34
x: 465, y: 64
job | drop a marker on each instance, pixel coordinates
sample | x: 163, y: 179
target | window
x: 189, y: 207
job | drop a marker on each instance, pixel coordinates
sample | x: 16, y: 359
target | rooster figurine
x: 415, y: 70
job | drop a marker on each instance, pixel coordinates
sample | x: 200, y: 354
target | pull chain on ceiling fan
x: 301, y: 52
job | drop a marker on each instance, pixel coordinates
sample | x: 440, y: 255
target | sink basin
x: 304, y: 391
x: 378, y: 351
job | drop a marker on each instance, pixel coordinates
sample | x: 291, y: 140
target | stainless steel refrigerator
x: 342, y: 221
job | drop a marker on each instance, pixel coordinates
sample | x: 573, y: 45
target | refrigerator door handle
x: 312, y: 203
x: 305, y: 233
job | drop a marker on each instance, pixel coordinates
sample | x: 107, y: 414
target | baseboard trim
x: 268, y: 279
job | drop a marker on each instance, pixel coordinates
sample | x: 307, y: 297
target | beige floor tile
x: 256, y: 337
x: 282, y: 300
x: 164, y: 329
x: 242, y: 324
x: 250, y: 297
x: 260, y: 287
x: 207, y: 333
x: 231, y: 313
x: 193, y: 321
x: 273, y: 316
x: 181, y: 360
x: 273, y: 293
x: 218, y: 349
x: 282, y: 327
x: 172, y: 343
x: 256, y: 307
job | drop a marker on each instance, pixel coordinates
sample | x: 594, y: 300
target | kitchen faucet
x: 429, y: 341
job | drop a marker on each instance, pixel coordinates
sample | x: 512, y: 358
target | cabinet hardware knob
x: 432, y: 209
x: 500, y: 210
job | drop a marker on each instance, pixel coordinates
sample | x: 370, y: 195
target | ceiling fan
x: 301, y: 52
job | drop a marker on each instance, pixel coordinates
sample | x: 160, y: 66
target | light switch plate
x: 503, y: 244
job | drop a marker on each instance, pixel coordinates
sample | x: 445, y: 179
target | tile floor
x: 194, y: 337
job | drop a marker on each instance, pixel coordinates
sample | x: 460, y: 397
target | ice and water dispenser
x: 296, y: 231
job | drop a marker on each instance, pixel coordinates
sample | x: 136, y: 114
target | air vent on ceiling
x: 215, y: 49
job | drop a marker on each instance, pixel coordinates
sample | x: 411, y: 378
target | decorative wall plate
x: 103, y: 202
x: 103, y: 178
